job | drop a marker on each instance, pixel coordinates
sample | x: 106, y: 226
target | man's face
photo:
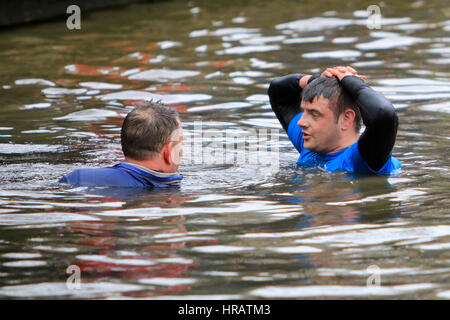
x: 320, y: 130
x: 177, y: 150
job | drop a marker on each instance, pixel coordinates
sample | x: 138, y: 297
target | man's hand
x: 303, y: 82
x: 341, y: 72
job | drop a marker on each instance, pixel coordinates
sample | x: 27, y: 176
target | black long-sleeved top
x: 378, y: 115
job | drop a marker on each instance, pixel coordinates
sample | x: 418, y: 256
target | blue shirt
x: 122, y: 175
x: 348, y: 159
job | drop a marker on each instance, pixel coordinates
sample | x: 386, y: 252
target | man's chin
x: 308, y: 146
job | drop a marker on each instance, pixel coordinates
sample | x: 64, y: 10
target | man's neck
x: 345, y: 143
x: 152, y: 164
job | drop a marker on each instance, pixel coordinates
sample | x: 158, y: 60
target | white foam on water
x: 250, y: 74
x: 378, y: 236
x: 336, y: 54
x: 13, y: 148
x: 239, y: 20
x: 437, y: 107
x: 221, y: 273
x: 169, y: 282
x: 337, y: 291
x: 304, y: 40
x: 221, y: 249
x: 89, y: 115
x: 417, y: 97
x: 48, y: 289
x: 248, y: 49
x: 144, y: 95
x: 163, y: 45
x: 261, y: 64
x: 294, y: 249
x: 365, y: 272
x: 434, y: 246
x: 21, y: 255
x: 243, y: 81
x: 263, y: 123
x: 390, y: 42
x: 185, y: 239
x: 129, y: 72
x: 401, y: 195
x: 38, y: 218
x: 22, y: 82
x: 198, y: 33
x: 101, y: 85
x: 42, y: 105
x: 444, y: 294
x: 55, y: 249
x: 221, y: 106
x: 323, y: 229
x: 24, y: 264
x: 202, y: 48
x: 230, y: 31
x: 261, y: 40
x: 412, y: 89
x: 344, y: 40
x: 105, y: 259
x: 163, y: 74
x: 315, y: 24
x: 175, y: 260
x: 62, y: 91
x: 258, y: 98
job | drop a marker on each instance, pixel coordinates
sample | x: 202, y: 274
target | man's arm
x: 285, y: 96
x: 380, y: 118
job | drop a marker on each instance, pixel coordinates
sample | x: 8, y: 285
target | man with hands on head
x: 322, y: 116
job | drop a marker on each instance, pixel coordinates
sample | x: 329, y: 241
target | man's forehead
x: 318, y: 103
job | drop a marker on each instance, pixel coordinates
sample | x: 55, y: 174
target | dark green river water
x: 246, y: 223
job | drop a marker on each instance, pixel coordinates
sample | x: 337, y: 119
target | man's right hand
x: 303, y: 82
x: 341, y: 72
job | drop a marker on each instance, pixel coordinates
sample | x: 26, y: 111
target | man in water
x: 151, y: 140
x: 322, y: 117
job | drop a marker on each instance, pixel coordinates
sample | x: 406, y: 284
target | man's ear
x: 347, y: 119
x: 167, y: 153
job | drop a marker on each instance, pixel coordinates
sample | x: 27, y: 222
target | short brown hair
x: 147, y: 129
x: 339, y: 99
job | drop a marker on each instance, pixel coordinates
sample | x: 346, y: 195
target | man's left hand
x: 341, y: 72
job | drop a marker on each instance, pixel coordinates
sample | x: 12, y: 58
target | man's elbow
x: 388, y: 117
x: 274, y: 87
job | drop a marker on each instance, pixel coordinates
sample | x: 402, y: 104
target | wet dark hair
x: 147, y: 129
x: 339, y: 100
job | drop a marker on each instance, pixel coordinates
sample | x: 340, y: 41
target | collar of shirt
x: 161, y: 177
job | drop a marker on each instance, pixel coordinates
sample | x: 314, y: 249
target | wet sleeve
x: 285, y: 97
x: 380, y: 118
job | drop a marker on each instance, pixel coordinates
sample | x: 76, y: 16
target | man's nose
x: 301, y: 122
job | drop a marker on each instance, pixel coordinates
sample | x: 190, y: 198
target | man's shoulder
x: 110, y: 176
x: 353, y: 161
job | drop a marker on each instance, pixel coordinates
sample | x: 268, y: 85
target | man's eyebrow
x: 313, y: 109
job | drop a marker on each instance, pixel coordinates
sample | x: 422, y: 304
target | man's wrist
x: 303, y: 82
x: 313, y: 77
x: 306, y: 79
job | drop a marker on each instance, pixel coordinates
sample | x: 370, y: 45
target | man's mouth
x: 306, y: 136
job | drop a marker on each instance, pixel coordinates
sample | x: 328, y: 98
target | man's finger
x: 351, y: 70
x: 334, y: 72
